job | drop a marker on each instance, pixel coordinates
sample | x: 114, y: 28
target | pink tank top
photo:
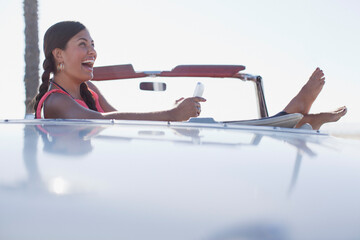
x: 81, y: 102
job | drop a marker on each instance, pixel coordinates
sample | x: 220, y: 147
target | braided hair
x: 57, y: 36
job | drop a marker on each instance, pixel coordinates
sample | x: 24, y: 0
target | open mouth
x: 89, y: 64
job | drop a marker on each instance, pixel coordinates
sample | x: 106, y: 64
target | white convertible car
x: 207, y: 178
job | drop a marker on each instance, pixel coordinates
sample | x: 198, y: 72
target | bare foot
x: 303, y: 101
x: 317, y: 120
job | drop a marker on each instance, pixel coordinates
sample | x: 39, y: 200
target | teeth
x: 88, y: 61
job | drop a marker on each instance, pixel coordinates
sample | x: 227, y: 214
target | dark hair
x: 57, y: 36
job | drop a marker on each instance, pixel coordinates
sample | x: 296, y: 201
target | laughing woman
x: 70, y: 56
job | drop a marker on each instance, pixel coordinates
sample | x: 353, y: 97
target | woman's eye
x: 82, y: 44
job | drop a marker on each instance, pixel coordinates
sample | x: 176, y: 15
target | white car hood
x: 157, y: 180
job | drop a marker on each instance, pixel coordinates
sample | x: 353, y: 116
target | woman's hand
x: 187, y: 108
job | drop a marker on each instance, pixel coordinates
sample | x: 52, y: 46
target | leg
x: 317, y: 120
x: 303, y: 101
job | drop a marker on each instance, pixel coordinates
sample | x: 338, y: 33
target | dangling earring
x: 60, y: 67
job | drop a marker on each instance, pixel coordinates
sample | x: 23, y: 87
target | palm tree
x: 31, y: 81
x: 31, y: 78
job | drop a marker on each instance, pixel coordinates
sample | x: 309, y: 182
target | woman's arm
x: 62, y: 106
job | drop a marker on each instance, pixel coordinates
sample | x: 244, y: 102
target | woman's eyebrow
x: 84, y: 39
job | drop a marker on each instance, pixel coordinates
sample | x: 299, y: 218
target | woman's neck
x: 70, y: 86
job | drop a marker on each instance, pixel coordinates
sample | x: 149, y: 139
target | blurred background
x: 283, y: 41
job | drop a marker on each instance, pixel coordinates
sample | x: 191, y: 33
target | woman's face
x: 79, y: 57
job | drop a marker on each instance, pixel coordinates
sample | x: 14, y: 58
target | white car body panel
x: 74, y: 179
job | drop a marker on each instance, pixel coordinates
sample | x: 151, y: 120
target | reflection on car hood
x: 106, y: 179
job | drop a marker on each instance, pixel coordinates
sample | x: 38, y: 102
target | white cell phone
x: 199, y: 90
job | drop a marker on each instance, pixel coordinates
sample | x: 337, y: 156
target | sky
x: 281, y: 40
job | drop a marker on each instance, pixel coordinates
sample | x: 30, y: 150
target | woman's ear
x: 57, y: 53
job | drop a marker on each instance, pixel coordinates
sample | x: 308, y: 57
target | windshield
x: 227, y: 99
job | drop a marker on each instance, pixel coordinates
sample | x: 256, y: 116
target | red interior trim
x: 203, y: 71
x: 127, y: 71
x: 116, y: 72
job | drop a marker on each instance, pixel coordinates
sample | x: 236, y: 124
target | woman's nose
x: 92, y: 51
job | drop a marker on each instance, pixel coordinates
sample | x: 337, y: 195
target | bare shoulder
x: 59, y: 105
x: 56, y: 104
x: 56, y: 98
